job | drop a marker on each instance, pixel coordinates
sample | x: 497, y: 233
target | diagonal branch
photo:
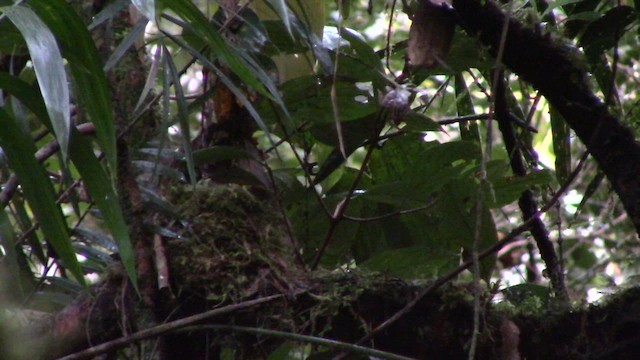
x: 527, y: 202
x: 551, y: 68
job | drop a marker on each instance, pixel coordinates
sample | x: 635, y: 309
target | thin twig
x: 340, y: 209
x: 356, y: 349
x: 389, y: 215
x: 165, y: 328
x: 527, y: 202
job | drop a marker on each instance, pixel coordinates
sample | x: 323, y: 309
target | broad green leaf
x: 279, y: 40
x: 416, y: 262
x: 364, y: 55
x: 315, y: 104
x: 49, y: 67
x: 38, y: 190
x: 458, y: 223
x: 363, y: 49
x: 419, y: 122
x: 79, y: 49
x: 584, y: 257
x: 408, y: 170
x: 507, y: 189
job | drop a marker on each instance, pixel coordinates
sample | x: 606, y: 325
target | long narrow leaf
x: 226, y: 81
x: 49, y: 67
x: 38, y: 190
x: 561, y: 145
x: 27, y: 96
x: 84, y: 62
x: 93, y: 174
x: 199, y: 25
x: 101, y: 191
x: 146, y: 7
x: 280, y: 8
x: 183, y: 116
x: 126, y: 44
x: 108, y: 13
x: 8, y: 242
x: 468, y: 130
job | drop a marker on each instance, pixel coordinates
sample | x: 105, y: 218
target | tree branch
x: 551, y: 68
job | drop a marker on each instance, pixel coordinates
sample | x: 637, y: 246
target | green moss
x: 232, y: 244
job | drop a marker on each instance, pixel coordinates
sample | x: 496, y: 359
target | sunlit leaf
x: 146, y: 7
x: 280, y: 7
x: 49, y: 68
x: 79, y: 49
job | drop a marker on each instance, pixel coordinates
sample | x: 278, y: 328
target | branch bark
x: 551, y: 67
x: 346, y: 306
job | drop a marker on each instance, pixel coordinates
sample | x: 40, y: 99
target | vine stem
x: 338, y: 214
